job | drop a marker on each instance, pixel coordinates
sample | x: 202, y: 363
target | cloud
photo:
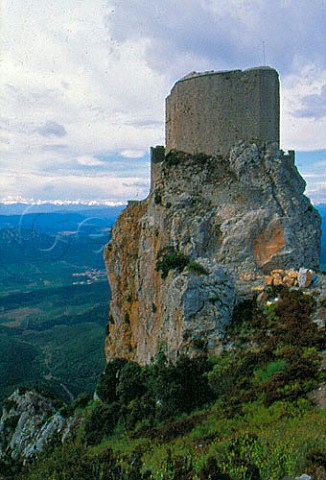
x: 313, y: 106
x: 85, y: 82
x: 317, y: 195
x: 141, y: 185
x: 54, y: 148
x: 132, y: 153
x: 72, y: 186
x: 88, y: 161
x: 311, y: 165
x: 50, y: 129
x: 299, y: 130
x: 218, y: 33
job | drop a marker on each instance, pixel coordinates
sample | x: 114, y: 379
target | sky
x: 84, y: 83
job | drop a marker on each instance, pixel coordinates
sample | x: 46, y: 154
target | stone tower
x: 209, y: 112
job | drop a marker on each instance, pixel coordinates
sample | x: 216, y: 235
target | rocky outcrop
x: 28, y: 423
x: 237, y: 217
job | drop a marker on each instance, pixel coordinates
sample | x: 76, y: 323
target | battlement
x: 209, y: 112
x: 290, y: 156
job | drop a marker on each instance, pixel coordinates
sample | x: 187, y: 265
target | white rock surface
x: 28, y: 423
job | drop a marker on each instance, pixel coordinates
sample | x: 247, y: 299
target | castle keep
x: 225, y: 212
x: 209, y: 112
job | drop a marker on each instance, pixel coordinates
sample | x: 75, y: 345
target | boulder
x: 305, y: 277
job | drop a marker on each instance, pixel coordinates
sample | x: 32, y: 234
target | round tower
x: 209, y: 112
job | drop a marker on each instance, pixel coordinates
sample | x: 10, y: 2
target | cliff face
x: 28, y: 423
x: 238, y: 217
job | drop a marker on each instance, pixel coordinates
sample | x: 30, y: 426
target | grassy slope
x: 261, y: 425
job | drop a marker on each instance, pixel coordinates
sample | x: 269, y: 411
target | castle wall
x: 210, y: 112
x: 157, y: 157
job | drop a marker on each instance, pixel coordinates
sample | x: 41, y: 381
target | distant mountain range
x: 47, y: 249
x: 83, y: 209
x: 39, y: 218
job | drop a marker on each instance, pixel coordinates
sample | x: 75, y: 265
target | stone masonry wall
x: 209, y: 112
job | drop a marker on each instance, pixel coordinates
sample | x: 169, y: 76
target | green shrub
x: 317, y: 457
x: 242, y: 316
x: 220, y: 378
x: 295, y: 326
x: 174, y: 157
x: 200, y: 158
x: 196, y: 267
x: 107, y: 386
x: 171, y: 430
x: 137, y: 411
x: 101, y: 422
x: 9, y: 404
x: 200, y: 344
x: 81, y: 401
x: 158, y: 154
x: 158, y: 199
x: 178, y: 467
x: 265, y: 373
x: 168, y: 258
x: 66, y: 462
x: 130, y: 385
x: 183, y: 386
x: 11, y: 422
x: 211, y: 471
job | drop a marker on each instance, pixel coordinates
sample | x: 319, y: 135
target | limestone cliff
x: 237, y: 217
x: 28, y: 423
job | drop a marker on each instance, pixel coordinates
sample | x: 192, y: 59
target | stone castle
x: 225, y: 197
x: 209, y: 112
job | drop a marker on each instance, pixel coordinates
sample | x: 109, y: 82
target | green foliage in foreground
x: 243, y: 415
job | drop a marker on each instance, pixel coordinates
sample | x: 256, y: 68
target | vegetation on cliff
x: 245, y: 414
